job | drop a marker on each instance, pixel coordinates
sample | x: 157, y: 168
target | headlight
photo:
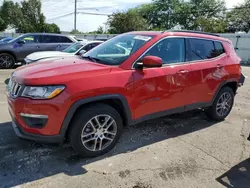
x: 42, y: 92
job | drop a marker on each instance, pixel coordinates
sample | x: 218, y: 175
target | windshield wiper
x: 90, y: 58
x: 96, y: 60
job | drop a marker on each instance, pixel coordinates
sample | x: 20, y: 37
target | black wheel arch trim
x: 222, y: 85
x: 77, y: 104
x: 10, y: 53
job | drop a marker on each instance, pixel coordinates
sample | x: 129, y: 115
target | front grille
x: 14, y: 89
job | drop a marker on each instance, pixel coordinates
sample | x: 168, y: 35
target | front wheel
x: 7, y: 61
x: 95, y: 130
x: 222, y: 104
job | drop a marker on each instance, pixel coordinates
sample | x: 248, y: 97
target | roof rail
x: 191, y: 31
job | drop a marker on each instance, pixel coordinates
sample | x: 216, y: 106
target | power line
x: 86, y: 13
x: 107, y: 14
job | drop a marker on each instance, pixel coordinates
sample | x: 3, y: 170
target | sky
x: 52, y: 9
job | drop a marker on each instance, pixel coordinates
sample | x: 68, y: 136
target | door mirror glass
x: 150, y: 62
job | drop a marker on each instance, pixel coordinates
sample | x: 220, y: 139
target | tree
x: 4, y: 14
x: 100, y: 30
x: 121, y: 22
x: 26, y: 17
x: 50, y: 28
x: 75, y: 32
x: 148, y: 12
x: 3, y: 25
x: 239, y: 18
x: 207, y: 15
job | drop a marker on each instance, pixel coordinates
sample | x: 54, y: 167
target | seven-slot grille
x: 14, y: 88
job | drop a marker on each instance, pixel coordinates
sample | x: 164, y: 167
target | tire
x: 84, y: 127
x: 7, y: 61
x: 219, y: 110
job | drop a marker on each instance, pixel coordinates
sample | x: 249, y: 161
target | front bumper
x: 38, y: 138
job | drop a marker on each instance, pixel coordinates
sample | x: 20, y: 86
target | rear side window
x: 90, y: 46
x: 201, y: 49
x: 218, y: 48
x: 50, y: 39
x: 63, y: 39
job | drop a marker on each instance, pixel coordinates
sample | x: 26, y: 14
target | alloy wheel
x: 5, y: 61
x: 99, y: 132
x: 224, y: 104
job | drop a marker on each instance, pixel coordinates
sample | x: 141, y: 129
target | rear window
x: 50, y: 39
x: 201, y: 49
x: 63, y: 39
x: 205, y: 49
x: 218, y: 48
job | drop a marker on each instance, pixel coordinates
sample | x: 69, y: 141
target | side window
x: 201, y: 49
x: 49, y: 39
x: 63, y: 39
x: 90, y: 46
x: 29, y: 39
x: 171, y: 50
x: 218, y: 48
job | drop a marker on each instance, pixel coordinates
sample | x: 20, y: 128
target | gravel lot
x: 184, y: 150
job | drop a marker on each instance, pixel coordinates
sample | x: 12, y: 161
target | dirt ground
x: 187, y: 150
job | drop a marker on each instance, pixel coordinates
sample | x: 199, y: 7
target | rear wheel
x: 95, y: 130
x: 7, y: 61
x: 222, y: 104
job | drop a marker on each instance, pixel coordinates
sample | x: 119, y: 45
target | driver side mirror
x: 150, y: 62
x: 82, y: 52
x: 21, y: 42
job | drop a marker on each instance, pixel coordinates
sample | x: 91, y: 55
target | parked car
x: 89, y: 100
x: 5, y: 40
x: 17, y: 49
x: 78, y: 48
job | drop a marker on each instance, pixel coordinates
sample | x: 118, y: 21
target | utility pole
x: 75, y: 15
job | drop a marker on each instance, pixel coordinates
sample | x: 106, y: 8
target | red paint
x: 147, y: 91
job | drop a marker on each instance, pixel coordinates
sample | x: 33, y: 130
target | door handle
x: 182, y: 71
x: 219, y: 66
x: 37, y: 46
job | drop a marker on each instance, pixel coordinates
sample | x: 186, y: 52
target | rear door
x: 63, y: 42
x: 49, y: 42
x: 207, y: 59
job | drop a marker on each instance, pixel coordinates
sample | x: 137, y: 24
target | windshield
x: 116, y: 50
x: 15, y: 39
x: 73, y: 48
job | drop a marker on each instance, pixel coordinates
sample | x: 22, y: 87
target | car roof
x: 95, y: 41
x: 52, y: 34
x: 188, y: 33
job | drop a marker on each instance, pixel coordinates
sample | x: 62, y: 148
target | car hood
x: 58, y: 71
x: 48, y: 54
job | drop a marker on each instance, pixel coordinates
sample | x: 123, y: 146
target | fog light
x: 34, y: 120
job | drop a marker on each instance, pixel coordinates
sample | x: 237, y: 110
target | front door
x: 163, y: 89
x: 31, y: 44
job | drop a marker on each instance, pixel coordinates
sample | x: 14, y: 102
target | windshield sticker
x: 139, y: 37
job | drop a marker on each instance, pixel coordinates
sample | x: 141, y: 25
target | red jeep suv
x: 131, y: 78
